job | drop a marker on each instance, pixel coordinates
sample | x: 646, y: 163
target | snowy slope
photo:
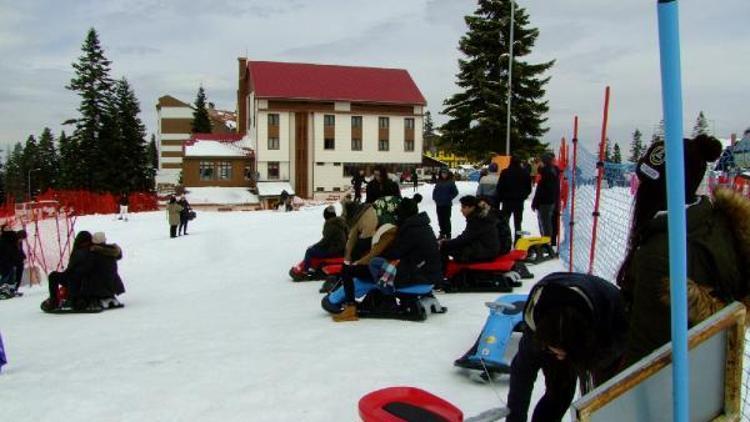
x: 214, y: 330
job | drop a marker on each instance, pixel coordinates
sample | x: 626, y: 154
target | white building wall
x: 283, y: 171
x: 283, y: 154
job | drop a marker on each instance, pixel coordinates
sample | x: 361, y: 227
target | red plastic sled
x: 501, y: 264
x: 406, y: 404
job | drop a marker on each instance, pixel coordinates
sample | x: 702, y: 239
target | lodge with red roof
x: 312, y: 125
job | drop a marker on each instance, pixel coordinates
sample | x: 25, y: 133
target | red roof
x: 333, y: 83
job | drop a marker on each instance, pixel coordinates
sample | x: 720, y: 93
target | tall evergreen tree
x: 201, y: 120
x: 48, y: 162
x: 608, y: 151
x: 658, y: 132
x: 477, y: 114
x: 701, y: 126
x: 617, y: 154
x: 429, y: 125
x: 153, y: 152
x: 93, y: 84
x: 68, y: 167
x: 636, y: 147
x: 15, y: 180
x: 428, y: 134
x: 30, y: 165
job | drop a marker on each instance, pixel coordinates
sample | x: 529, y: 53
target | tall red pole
x: 573, y: 191
x: 599, y: 177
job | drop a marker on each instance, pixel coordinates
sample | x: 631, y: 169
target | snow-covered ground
x: 213, y: 330
x: 213, y: 195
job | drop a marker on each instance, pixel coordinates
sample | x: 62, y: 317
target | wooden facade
x: 241, y: 168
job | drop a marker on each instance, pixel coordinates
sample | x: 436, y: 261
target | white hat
x: 99, y: 238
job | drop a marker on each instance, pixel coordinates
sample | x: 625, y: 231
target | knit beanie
x: 469, y: 201
x: 99, y: 238
x: 651, y: 168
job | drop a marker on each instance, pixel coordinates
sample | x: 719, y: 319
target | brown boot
x: 349, y: 313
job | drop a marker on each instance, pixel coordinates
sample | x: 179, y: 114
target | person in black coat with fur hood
x: 479, y: 241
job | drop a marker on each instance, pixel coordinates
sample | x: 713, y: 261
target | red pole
x: 599, y: 177
x: 573, y: 191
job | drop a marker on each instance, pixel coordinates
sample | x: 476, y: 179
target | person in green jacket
x: 718, y: 249
x: 334, y: 239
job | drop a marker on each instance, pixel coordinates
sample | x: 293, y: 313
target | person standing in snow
x: 547, y: 196
x: 443, y: 194
x: 415, y: 179
x: 575, y: 327
x: 487, y: 188
x: 173, y: 216
x: 357, y: 181
x: 718, y: 248
x: 513, y: 189
x: 123, y: 202
x: 184, y: 215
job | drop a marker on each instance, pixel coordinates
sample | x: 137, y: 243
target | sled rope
x: 494, y: 414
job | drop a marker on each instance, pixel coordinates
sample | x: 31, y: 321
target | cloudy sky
x: 172, y: 46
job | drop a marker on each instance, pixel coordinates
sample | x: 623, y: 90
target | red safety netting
x: 87, y: 203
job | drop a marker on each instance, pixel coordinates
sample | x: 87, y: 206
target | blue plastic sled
x: 488, y: 353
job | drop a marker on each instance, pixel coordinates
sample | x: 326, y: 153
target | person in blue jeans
x: 443, y: 194
x: 333, y: 242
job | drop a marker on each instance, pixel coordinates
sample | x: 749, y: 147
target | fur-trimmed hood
x: 736, y: 208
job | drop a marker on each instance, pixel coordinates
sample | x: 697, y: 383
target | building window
x: 273, y: 120
x: 206, y: 169
x: 273, y: 143
x: 383, y: 122
x: 329, y: 120
x: 409, y: 145
x: 224, y: 170
x: 356, y: 144
x: 273, y: 170
x: 409, y: 123
x: 356, y: 121
x: 320, y: 189
x: 329, y: 143
x: 383, y: 145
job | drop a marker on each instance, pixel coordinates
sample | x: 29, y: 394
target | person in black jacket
x: 513, y: 188
x: 123, y: 202
x: 381, y: 185
x: 184, y: 216
x: 443, y: 194
x: 11, y: 262
x: 79, y: 269
x: 357, y: 180
x: 575, y: 327
x: 547, y: 197
x: 333, y: 243
x: 479, y: 241
x: 104, y: 281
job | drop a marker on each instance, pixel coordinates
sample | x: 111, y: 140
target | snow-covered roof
x: 218, y: 148
x: 220, y: 196
x: 274, y: 188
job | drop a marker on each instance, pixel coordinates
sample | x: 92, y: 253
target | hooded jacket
x: 514, y: 184
x: 718, y: 243
x: 593, y: 296
x: 362, y: 226
x: 103, y: 280
x: 548, y: 188
x: 444, y: 192
x: 416, y: 249
x: 479, y: 241
x: 334, y: 236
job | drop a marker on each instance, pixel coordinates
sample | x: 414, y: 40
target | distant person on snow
x: 575, y: 327
x: 443, y: 194
x: 12, y: 258
x: 357, y: 181
x: 415, y: 179
x: 123, y: 202
x: 333, y: 242
x: 547, y: 196
x: 513, y: 189
x: 184, y: 215
x: 718, y: 248
x: 173, y: 216
x: 285, y: 201
x: 488, y: 185
x: 381, y: 185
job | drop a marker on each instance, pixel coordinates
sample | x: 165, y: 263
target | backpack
x: 385, y: 208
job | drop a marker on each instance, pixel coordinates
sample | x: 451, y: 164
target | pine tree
x: 93, y: 84
x: 15, y: 180
x: 67, y: 162
x: 428, y: 134
x: 201, y: 120
x: 636, y: 147
x: 48, y: 162
x: 607, y: 151
x: 701, y: 126
x: 30, y: 166
x: 477, y: 114
x: 153, y: 152
x: 616, y: 154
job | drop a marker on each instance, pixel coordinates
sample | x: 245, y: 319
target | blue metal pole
x: 671, y: 81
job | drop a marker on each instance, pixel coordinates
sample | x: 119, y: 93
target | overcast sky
x: 170, y: 47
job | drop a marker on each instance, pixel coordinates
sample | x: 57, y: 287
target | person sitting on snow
x: 412, y: 258
x: 362, y: 221
x: 333, y: 242
x: 104, y: 282
x: 504, y: 236
x: 575, y: 327
x: 479, y: 241
x: 78, y: 270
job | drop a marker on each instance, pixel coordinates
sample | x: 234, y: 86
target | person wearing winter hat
x: 334, y: 239
x: 76, y: 273
x: 718, y: 247
x: 105, y: 283
x: 479, y: 241
x: 487, y: 188
x: 547, y: 197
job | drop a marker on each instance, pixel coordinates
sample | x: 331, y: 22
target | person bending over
x: 575, y: 328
